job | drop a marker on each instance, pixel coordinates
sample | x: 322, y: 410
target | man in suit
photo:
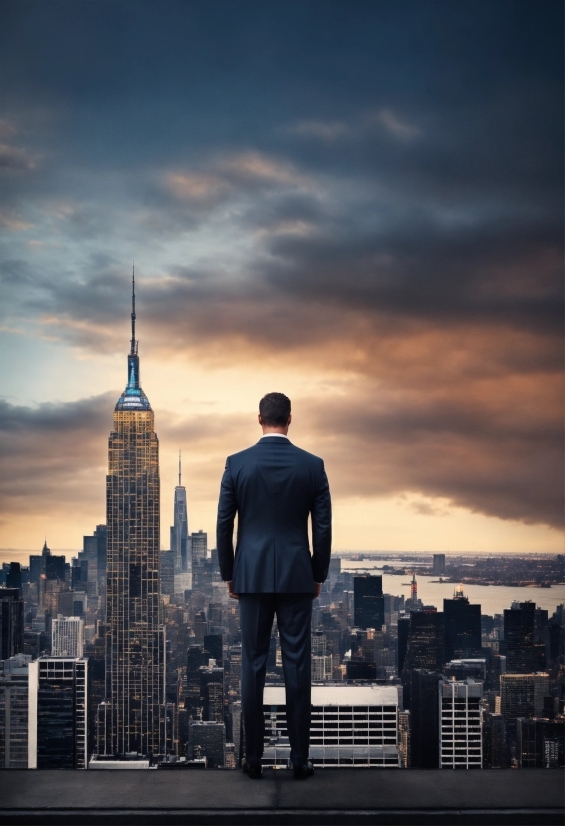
x: 274, y: 487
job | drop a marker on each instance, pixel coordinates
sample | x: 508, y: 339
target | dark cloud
x: 54, y: 455
x: 370, y: 189
x: 479, y: 457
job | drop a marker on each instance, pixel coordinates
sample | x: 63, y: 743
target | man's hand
x: 231, y: 591
x: 317, y: 589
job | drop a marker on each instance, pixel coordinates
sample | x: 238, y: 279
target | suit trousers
x: 294, y: 620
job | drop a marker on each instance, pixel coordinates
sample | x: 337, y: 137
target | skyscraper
x: 368, y: 602
x: 11, y: 623
x: 439, y: 564
x: 460, y: 745
x: 519, y: 626
x: 522, y: 696
x: 180, y: 540
x: 199, y: 541
x: 462, y: 627
x: 424, y: 719
x: 426, y: 636
x: 135, y: 635
x: 14, y: 712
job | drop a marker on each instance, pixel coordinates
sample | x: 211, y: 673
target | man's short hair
x: 274, y: 409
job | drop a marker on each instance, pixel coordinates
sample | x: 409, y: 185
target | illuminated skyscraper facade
x: 135, y: 638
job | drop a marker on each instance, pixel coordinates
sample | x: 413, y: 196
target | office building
x: 404, y: 738
x: 496, y: 665
x: 199, y: 544
x: 180, y: 539
x: 58, y: 713
x: 539, y: 743
x: 522, y: 695
x: 14, y: 576
x: 460, y: 743
x: 351, y: 726
x: 424, y: 719
x: 402, y: 644
x: 67, y: 637
x: 212, y: 691
x: 135, y: 636
x: 14, y: 712
x: 519, y: 626
x: 462, y: 627
x: 495, y: 752
x: 368, y: 602
x: 11, y: 623
x: 321, y: 659
x: 55, y: 568
x: 322, y: 669
x: 38, y: 563
x: 439, y: 564
x: 94, y: 554
x: 197, y: 657
x: 167, y: 573
x: 476, y: 668
x: 425, y: 648
x: 207, y: 738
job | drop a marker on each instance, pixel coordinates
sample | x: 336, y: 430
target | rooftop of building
x: 339, y: 694
x: 333, y: 796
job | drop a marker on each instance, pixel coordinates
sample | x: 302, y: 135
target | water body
x: 492, y: 598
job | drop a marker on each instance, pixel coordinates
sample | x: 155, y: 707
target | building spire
x: 133, y: 341
x: 179, y: 469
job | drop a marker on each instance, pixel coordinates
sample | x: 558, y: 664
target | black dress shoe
x: 302, y: 771
x: 254, y: 772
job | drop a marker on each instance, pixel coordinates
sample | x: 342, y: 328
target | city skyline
x: 364, y: 213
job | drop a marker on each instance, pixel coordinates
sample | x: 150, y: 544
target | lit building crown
x: 133, y: 397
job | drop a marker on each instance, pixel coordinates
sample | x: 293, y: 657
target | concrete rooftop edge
x: 332, y: 797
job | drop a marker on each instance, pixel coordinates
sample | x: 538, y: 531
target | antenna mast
x: 133, y: 341
x: 179, y: 469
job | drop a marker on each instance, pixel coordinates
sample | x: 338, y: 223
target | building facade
x: 521, y: 695
x: 424, y: 719
x: 351, y: 726
x: 462, y: 627
x: 14, y: 712
x: 460, y: 739
x: 67, y: 637
x: 11, y: 623
x: 539, y: 743
x: 135, y: 636
x: 58, y: 713
x: 368, y: 602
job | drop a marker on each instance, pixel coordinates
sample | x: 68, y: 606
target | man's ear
x: 260, y: 420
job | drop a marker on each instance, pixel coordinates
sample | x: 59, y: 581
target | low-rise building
x: 352, y: 725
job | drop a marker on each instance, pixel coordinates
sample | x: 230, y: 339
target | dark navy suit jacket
x: 273, y: 487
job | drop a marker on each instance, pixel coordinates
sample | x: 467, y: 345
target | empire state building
x: 133, y: 718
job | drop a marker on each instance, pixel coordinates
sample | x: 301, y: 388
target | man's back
x: 274, y: 486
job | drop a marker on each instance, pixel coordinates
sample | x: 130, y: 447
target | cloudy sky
x: 356, y: 203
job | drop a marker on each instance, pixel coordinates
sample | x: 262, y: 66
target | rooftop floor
x: 380, y: 797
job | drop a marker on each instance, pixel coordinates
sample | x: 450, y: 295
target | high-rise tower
x: 134, y: 712
x: 181, y: 546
